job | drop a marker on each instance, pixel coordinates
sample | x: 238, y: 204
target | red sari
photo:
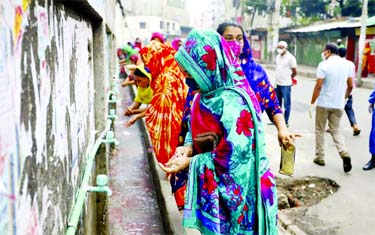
x: 164, y: 115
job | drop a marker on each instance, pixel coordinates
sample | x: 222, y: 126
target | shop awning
x: 349, y: 23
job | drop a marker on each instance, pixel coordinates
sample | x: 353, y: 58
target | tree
x: 253, y: 7
x: 306, y: 11
x: 353, y: 8
x: 314, y: 9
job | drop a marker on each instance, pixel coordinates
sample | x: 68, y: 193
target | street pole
x: 361, y: 43
x: 269, y: 31
x: 276, y: 26
x: 273, y: 27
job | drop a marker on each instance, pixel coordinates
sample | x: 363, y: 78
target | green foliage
x: 351, y: 8
x: 255, y: 6
x: 308, y: 11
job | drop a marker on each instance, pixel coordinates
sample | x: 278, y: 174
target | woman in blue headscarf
x: 257, y: 78
x: 230, y: 188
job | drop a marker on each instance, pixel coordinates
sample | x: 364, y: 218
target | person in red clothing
x: 138, y: 43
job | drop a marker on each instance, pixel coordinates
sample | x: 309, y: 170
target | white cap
x: 338, y: 40
x: 283, y: 44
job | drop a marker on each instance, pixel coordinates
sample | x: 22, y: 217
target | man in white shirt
x: 333, y: 85
x: 349, y: 102
x: 286, y: 70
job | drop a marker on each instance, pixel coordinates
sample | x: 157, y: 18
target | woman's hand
x: 180, y: 160
x: 129, y: 111
x: 131, y: 121
x: 286, y: 139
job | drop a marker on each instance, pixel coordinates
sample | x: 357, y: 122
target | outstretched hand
x: 131, y: 121
x: 180, y: 160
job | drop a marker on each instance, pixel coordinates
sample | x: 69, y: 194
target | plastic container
x: 287, y: 160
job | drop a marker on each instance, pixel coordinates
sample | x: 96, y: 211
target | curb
x: 288, y: 225
x: 171, y: 216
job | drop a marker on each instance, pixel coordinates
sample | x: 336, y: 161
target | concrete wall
x: 56, y: 59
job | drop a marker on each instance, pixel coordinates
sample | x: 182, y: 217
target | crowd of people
x: 202, y: 99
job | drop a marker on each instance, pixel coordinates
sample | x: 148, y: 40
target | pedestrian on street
x: 224, y: 146
x: 371, y: 164
x: 339, y: 43
x: 349, y: 101
x: 333, y: 85
x: 286, y: 71
x: 257, y: 77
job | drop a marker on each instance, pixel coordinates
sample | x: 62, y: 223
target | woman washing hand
x: 230, y: 188
x: 144, y: 95
x: 179, y: 161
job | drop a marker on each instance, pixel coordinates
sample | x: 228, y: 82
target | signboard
x: 369, y: 31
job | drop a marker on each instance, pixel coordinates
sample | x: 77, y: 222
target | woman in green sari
x: 230, y: 188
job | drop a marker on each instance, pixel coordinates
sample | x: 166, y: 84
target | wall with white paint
x: 46, y: 111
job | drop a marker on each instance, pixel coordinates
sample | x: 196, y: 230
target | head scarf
x: 217, y: 67
x: 223, y: 192
x: 259, y: 82
x: 138, y: 43
x: 163, y: 117
x: 175, y: 43
x: 158, y: 36
x: 144, y: 94
x: 134, y: 58
x: 127, y: 51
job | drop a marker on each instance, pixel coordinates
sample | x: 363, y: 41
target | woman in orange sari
x: 164, y: 114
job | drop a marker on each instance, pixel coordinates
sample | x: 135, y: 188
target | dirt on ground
x: 304, y: 192
x: 296, y: 195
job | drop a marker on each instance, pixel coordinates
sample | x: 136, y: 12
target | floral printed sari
x: 164, y: 114
x: 259, y: 82
x: 225, y: 193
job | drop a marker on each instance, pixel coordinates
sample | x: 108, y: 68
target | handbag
x: 206, y: 141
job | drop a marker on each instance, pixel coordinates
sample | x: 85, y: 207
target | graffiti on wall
x: 46, y: 93
x: 8, y: 144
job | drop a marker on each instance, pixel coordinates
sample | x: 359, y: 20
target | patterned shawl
x: 163, y: 117
x: 224, y: 194
x: 259, y: 82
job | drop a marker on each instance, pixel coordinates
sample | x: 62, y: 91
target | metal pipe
x: 82, y: 193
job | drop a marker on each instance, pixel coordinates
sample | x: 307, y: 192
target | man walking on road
x: 333, y: 85
x: 349, y: 102
x: 286, y: 70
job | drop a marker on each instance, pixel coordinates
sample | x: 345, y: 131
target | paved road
x: 351, y: 209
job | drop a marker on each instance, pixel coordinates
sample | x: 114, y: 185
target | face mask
x: 279, y: 51
x: 235, y: 46
x: 192, y: 84
x: 323, y: 57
